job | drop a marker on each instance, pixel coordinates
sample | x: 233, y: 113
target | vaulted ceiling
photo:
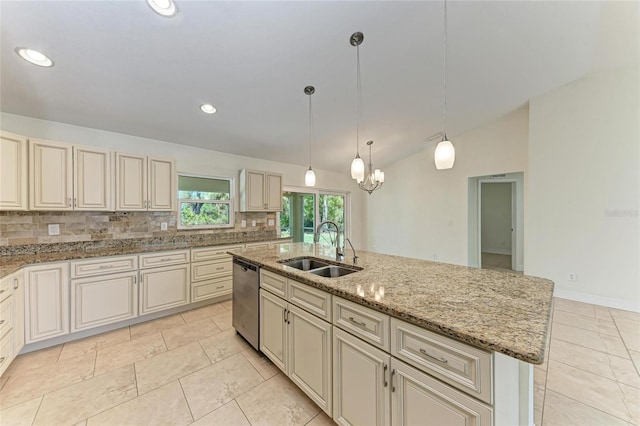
x: 121, y: 67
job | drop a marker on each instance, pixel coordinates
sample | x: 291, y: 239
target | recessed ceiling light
x: 208, y: 108
x: 35, y: 57
x: 163, y: 7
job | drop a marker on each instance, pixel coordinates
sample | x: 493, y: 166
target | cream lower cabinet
x: 17, y: 284
x: 103, y: 300
x: 211, y: 272
x: 167, y: 286
x: 298, y: 343
x: 46, y: 301
x: 361, y: 388
x: 418, y: 398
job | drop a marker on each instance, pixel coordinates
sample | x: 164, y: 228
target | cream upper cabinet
x: 47, y: 301
x: 92, y: 179
x: 13, y: 163
x: 50, y: 175
x: 145, y: 183
x: 260, y: 191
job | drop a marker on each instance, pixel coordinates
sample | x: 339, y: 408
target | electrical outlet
x: 271, y: 222
x: 435, y: 256
x: 571, y: 276
x: 253, y: 223
x: 243, y: 223
x: 54, y: 229
x: 163, y: 226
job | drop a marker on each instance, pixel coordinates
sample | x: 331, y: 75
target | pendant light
x: 357, y: 165
x: 374, y: 178
x: 445, y: 154
x: 310, y: 176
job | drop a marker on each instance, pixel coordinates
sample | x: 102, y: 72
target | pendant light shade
x: 357, y: 168
x: 310, y: 177
x: 445, y: 154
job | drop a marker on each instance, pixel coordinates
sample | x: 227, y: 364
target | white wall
x: 421, y: 212
x: 583, y: 189
x: 188, y: 159
x: 496, y: 218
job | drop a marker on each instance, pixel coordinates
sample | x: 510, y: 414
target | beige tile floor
x: 192, y: 368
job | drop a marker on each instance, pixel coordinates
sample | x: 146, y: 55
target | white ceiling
x: 123, y: 68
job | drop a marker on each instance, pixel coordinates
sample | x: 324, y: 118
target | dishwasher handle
x: 245, y: 265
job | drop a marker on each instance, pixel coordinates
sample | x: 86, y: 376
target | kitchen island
x: 505, y: 315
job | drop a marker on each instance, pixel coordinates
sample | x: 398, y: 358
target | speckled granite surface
x: 498, y: 311
x: 10, y: 264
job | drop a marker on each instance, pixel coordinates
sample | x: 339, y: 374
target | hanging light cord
x: 358, y: 101
x: 310, y: 129
x: 444, y: 113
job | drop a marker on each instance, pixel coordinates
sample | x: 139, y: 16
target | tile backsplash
x: 24, y: 228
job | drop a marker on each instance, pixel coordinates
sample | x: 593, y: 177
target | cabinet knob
x: 69, y: 201
x: 2, y: 360
x: 75, y: 202
x: 1, y: 322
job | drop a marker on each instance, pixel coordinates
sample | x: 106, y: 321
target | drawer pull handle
x: 219, y: 287
x: 2, y: 360
x: 1, y: 291
x: 106, y: 266
x: 165, y: 259
x: 1, y: 322
x: 438, y: 358
x: 17, y: 283
x: 361, y: 324
x: 219, y: 268
x: 385, y: 375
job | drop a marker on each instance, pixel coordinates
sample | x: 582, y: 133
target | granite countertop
x: 10, y: 264
x: 503, y: 312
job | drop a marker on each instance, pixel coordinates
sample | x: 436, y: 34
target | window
x: 303, y: 211
x: 205, y: 202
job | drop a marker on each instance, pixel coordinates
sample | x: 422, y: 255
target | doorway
x: 495, y: 222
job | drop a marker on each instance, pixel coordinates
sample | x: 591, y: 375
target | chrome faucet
x: 316, y: 237
x: 355, y: 258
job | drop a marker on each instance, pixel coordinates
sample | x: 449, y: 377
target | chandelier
x: 372, y: 179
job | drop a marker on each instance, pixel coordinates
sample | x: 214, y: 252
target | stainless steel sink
x: 333, y: 271
x: 305, y: 264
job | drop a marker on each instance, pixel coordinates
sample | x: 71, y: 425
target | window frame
x: 230, y: 202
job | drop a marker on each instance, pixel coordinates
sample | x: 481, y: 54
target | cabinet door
x: 92, y: 179
x: 420, y: 399
x: 164, y: 288
x: 47, y: 301
x: 131, y: 182
x: 361, y: 374
x: 17, y: 281
x: 273, y: 192
x: 50, y: 175
x: 103, y: 300
x: 13, y: 163
x: 310, y: 356
x: 255, y: 182
x: 273, y: 329
x: 162, y: 193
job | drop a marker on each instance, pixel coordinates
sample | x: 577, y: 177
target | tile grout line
x: 625, y: 346
x: 37, y: 410
x: 193, y: 418
x: 595, y: 374
x: 593, y: 408
x: 241, y: 410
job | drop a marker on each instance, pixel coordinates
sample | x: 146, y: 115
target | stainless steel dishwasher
x: 246, y: 301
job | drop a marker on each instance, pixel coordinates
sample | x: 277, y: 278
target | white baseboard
x: 597, y: 300
x: 497, y: 251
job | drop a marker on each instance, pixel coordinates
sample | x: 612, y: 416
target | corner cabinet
x: 13, y: 163
x: 260, y: 191
x: 47, y: 301
x: 145, y: 183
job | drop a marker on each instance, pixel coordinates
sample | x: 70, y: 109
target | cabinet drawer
x: 362, y: 322
x: 310, y: 299
x: 6, y: 315
x: 462, y: 366
x: 103, y: 265
x: 163, y: 259
x: 5, y: 287
x: 275, y: 283
x: 211, y: 253
x: 201, y: 271
x: 211, y: 288
x: 6, y: 351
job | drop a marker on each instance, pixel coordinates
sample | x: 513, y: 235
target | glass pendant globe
x: 445, y: 155
x: 310, y: 178
x: 357, y: 169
